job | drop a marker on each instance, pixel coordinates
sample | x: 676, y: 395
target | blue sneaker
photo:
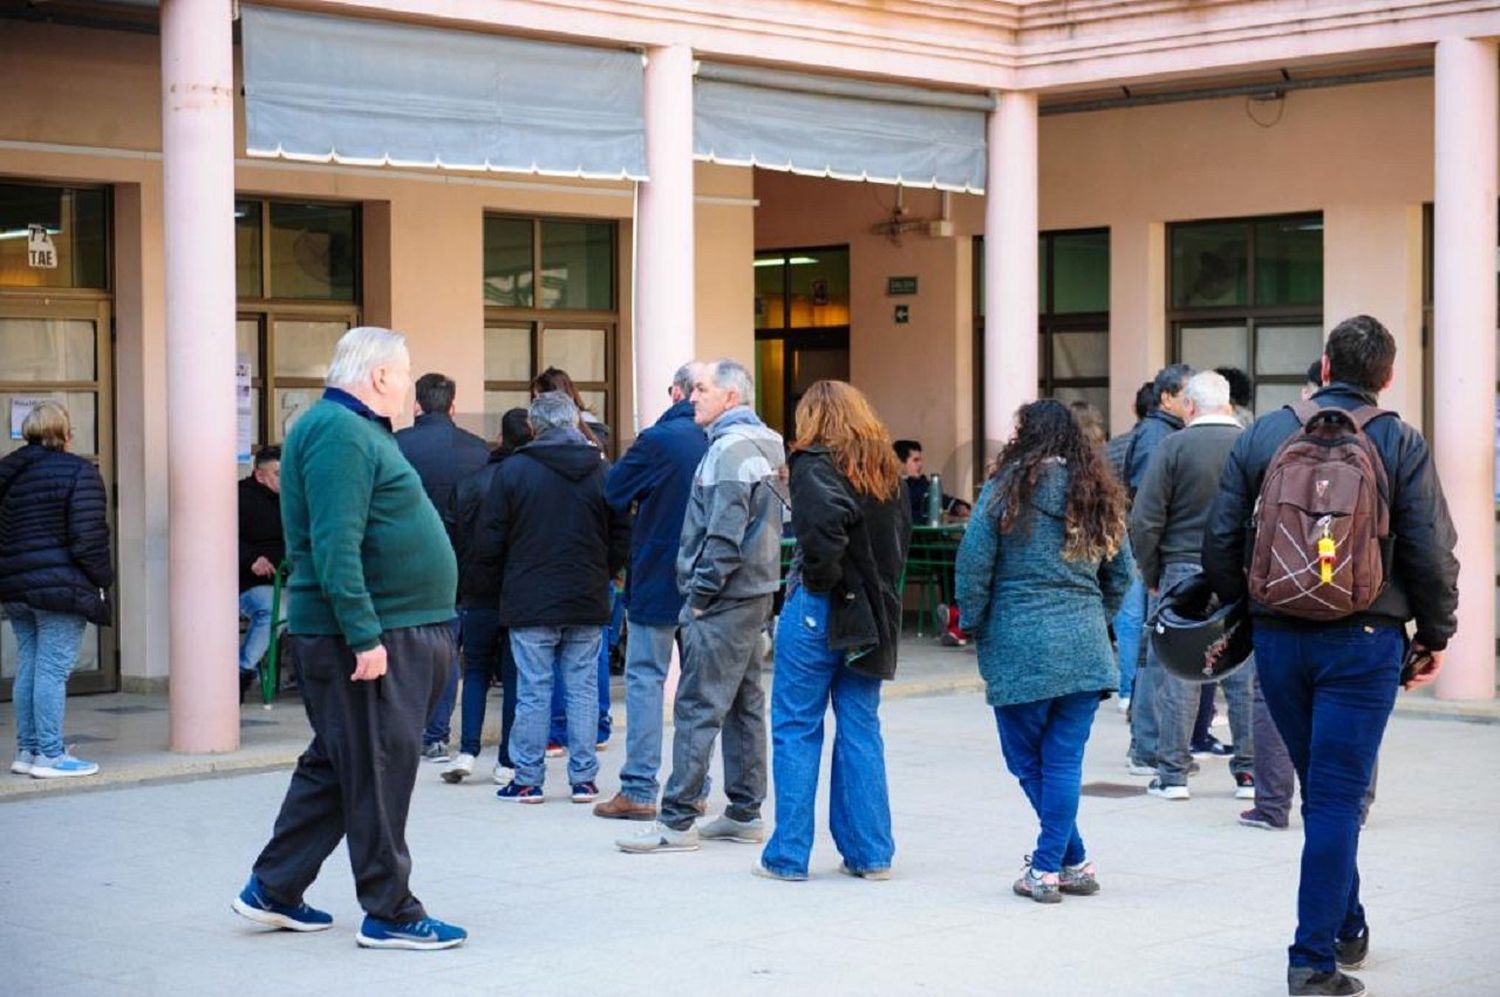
x: 517, y: 793
x: 255, y: 905
x: 63, y: 766
x: 426, y: 934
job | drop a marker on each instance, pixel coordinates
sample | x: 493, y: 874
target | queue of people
x: 1321, y: 529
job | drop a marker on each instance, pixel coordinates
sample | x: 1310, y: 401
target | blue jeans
x: 440, y: 722
x: 1129, y: 622
x: 648, y: 655
x: 46, y: 649
x: 1043, y: 745
x: 558, y: 732
x: 808, y: 675
x: 538, y: 650
x: 1145, y: 726
x: 1330, y: 691
x: 485, y: 645
x: 255, y: 606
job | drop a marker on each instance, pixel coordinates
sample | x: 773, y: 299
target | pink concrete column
x: 1010, y: 262
x: 1467, y: 143
x: 198, y: 179
x: 664, y: 263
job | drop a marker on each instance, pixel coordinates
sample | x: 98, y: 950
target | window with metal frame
x: 801, y: 327
x: 551, y: 300
x: 1248, y: 293
x: 297, y: 274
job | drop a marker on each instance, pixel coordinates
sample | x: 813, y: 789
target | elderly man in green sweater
x: 372, y: 590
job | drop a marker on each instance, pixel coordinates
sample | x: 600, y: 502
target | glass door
x: 57, y: 348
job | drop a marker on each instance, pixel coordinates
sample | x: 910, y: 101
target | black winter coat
x: 54, y: 539
x: 260, y: 530
x: 443, y: 455
x: 476, y: 589
x: 1422, y: 573
x: 1150, y: 431
x: 852, y: 547
x: 547, y: 534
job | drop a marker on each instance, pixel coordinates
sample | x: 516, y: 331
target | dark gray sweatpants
x: 355, y: 778
x: 720, y: 688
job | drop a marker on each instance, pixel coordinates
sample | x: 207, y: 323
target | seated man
x: 261, y: 550
x: 918, y: 489
x: 909, y: 452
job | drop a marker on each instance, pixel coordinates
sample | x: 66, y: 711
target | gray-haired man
x: 728, y: 568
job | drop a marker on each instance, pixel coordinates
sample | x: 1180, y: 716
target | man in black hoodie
x: 553, y: 541
x: 262, y: 548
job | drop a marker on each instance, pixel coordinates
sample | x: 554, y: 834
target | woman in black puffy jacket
x: 55, y: 575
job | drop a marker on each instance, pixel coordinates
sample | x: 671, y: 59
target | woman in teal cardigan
x: 1043, y: 566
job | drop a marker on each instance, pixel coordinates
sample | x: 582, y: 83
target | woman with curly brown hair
x: 838, y: 633
x: 1041, y: 570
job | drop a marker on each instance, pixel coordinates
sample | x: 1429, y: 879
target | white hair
x: 732, y: 376
x: 1208, y: 391
x: 359, y: 352
x: 552, y: 410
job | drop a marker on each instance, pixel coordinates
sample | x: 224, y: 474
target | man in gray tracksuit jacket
x: 728, y: 568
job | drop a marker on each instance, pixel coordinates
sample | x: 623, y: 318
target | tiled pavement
x: 126, y: 890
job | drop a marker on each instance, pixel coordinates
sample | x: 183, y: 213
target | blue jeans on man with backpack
x: 1330, y: 690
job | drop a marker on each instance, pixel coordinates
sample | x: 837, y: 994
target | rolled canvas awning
x: 339, y: 89
x: 847, y: 129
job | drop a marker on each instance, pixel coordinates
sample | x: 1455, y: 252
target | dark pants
x: 487, y: 656
x: 1275, y: 779
x: 440, y: 718
x: 1330, y: 691
x: 355, y: 778
x: 720, y: 689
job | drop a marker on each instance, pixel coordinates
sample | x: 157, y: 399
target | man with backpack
x: 1350, y: 539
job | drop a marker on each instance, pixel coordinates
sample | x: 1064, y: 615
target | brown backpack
x: 1323, y: 518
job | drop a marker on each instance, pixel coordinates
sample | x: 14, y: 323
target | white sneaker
x: 461, y: 768
x: 1168, y: 792
x: 659, y: 838
x: 503, y: 774
x: 726, y: 828
x: 23, y: 763
x: 1123, y: 704
x: 1135, y: 768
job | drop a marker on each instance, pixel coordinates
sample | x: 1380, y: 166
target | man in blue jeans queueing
x: 1330, y: 686
x: 654, y: 478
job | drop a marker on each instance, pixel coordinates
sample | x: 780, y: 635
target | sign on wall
x: 897, y: 286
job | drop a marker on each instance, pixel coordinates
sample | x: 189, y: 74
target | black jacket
x: 852, y: 547
x: 443, y: 455
x: 1171, y: 509
x: 54, y: 539
x: 476, y: 589
x: 260, y: 530
x: 547, y: 534
x: 1421, y: 570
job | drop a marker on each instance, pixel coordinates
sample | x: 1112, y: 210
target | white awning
x: 346, y: 90
x: 847, y: 129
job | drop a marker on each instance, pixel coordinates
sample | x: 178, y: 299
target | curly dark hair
x: 1096, y: 508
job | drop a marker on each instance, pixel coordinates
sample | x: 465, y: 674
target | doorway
x: 802, y: 327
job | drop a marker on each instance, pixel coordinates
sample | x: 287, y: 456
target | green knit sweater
x: 368, y: 550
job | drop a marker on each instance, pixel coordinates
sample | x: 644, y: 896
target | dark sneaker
x: 1304, y: 981
x: 1260, y: 819
x: 1078, y: 880
x: 1350, y: 953
x: 584, y: 792
x: 1211, y: 747
x: 1168, y: 792
x: 1244, y: 786
x: 424, y: 935
x: 622, y: 807
x: 518, y: 793
x: 436, y: 752
x: 253, y: 903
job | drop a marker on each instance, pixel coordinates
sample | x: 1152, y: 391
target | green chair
x: 269, y: 678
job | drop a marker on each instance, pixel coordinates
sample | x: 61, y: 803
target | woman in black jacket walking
x: 54, y: 576
x: 838, y: 633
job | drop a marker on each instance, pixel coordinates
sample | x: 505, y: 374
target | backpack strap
x: 1366, y: 414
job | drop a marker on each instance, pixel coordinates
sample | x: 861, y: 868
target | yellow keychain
x: 1326, y: 550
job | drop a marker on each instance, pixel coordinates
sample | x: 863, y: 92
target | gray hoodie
x: 731, y: 536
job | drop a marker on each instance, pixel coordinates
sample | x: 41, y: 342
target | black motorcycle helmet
x: 1194, y: 637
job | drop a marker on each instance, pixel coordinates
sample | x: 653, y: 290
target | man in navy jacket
x: 655, y: 476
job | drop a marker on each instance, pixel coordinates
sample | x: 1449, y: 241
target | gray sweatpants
x: 720, y: 688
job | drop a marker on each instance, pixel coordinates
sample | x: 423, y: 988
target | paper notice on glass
x: 242, y: 408
x: 20, y: 408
